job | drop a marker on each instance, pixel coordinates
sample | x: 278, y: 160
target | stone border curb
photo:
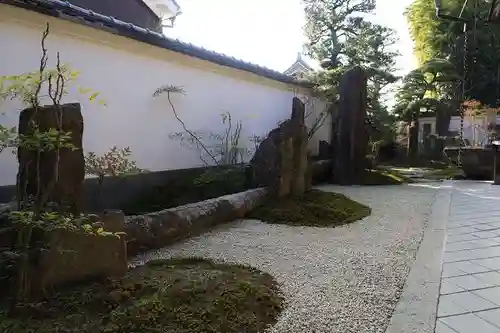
x: 417, y: 306
x: 163, y: 228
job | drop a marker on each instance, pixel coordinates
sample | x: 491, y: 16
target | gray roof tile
x: 65, y: 10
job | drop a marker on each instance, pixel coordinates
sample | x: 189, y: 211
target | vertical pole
x: 496, y: 179
x: 463, y: 87
x: 497, y: 102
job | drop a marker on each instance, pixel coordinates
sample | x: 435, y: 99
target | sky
x: 269, y: 32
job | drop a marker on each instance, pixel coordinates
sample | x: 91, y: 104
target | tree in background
x: 426, y: 89
x: 340, y: 37
x: 444, y: 39
x: 425, y: 30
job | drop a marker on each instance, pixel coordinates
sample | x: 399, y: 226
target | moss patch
x: 383, y: 177
x: 419, y: 163
x: 168, y: 296
x: 447, y: 173
x: 315, y: 208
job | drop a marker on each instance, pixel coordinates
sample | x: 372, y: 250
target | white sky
x: 268, y: 32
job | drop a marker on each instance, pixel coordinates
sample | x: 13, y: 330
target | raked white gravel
x: 346, y: 279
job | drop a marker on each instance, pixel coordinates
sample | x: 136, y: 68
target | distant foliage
x: 426, y: 89
x: 340, y: 36
x: 434, y: 38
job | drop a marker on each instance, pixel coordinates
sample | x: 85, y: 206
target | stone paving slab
x: 469, y: 298
x: 454, y: 285
x: 416, y: 309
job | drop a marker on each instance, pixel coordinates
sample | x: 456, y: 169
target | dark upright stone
x: 351, y: 137
x: 68, y: 190
x: 281, y: 160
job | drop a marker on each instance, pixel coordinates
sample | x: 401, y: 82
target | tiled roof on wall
x: 65, y: 10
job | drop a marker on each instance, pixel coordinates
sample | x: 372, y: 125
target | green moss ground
x: 384, y: 177
x: 168, y: 296
x: 446, y: 173
x: 315, y: 208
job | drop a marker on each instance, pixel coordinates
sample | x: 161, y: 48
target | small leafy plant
x: 115, y: 162
x: 7, y: 137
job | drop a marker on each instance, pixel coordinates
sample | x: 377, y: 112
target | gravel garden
x: 342, y: 279
x: 332, y: 260
x: 194, y: 292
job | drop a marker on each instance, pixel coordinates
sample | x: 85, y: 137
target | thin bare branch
x: 169, y: 90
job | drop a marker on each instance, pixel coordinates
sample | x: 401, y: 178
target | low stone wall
x: 119, y: 191
x: 159, y: 229
x: 477, y: 163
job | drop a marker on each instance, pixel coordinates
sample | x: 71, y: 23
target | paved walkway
x: 469, y: 298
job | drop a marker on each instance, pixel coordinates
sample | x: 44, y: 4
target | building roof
x: 65, y: 10
x: 157, y: 5
x: 299, y: 66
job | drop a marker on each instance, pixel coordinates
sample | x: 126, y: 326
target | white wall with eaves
x: 126, y: 73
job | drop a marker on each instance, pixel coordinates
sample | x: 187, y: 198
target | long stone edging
x: 417, y: 306
x: 158, y: 229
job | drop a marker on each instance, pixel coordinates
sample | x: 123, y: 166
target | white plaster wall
x: 126, y: 81
x: 473, y: 128
x: 316, y: 110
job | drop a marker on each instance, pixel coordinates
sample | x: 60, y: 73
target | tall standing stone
x: 351, y: 139
x: 281, y: 160
x: 300, y: 156
x: 68, y: 190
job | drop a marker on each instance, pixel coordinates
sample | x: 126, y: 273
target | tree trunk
x: 412, y: 150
